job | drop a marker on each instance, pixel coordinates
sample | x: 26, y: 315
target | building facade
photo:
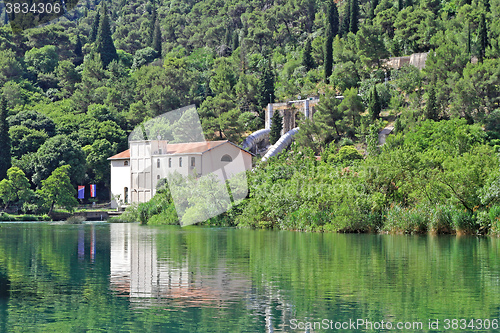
x: 136, y: 171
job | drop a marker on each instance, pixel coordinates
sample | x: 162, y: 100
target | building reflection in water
x: 136, y: 271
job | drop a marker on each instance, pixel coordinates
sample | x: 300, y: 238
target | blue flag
x: 81, y: 192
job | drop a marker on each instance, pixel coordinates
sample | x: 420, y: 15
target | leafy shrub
x: 494, y: 215
x: 464, y: 222
x: 441, y: 221
x: 408, y: 221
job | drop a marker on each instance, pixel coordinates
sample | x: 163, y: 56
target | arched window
x: 158, y: 177
x: 125, y: 163
x: 125, y: 194
x: 180, y: 161
x: 158, y: 163
x: 170, y: 162
x: 226, y: 158
x: 193, y: 161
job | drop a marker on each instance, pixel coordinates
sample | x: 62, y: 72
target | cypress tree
x: 483, y: 37
x: 95, y: 27
x: 276, y: 127
x: 344, y: 29
x: 307, y: 59
x: 157, y: 38
x: 236, y: 41
x: 373, y: 6
x: 78, y: 47
x: 266, y: 86
x: 228, y: 39
x: 104, y: 42
x: 332, y: 29
x: 375, y: 104
x: 5, y: 156
x: 353, y: 24
x: 152, y: 24
x: 468, y: 40
x: 431, y: 110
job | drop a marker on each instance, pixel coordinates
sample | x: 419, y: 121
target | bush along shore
x: 437, y: 177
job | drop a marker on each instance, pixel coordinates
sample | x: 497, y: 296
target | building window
x: 158, y: 163
x: 226, y: 158
x: 158, y: 177
x: 125, y: 195
x: 170, y: 162
x: 125, y: 163
x: 180, y: 162
x: 193, y: 161
x: 160, y: 151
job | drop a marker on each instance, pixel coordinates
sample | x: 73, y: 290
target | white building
x: 135, y: 172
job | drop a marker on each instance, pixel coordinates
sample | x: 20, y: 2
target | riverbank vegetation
x: 73, y: 91
x: 436, y: 177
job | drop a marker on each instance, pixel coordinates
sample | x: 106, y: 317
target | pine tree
x: 332, y: 29
x: 276, y: 127
x: 104, y: 42
x: 431, y: 110
x: 346, y: 19
x: 373, y: 6
x: 95, y: 26
x: 5, y: 156
x: 353, y: 22
x: 307, y: 59
x: 483, y: 37
x: 266, y: 86
x: 157, y: 39
x: 375, y: 105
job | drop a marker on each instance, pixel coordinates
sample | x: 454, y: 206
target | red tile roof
x: 124, y: 155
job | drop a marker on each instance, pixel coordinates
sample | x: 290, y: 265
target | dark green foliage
x: 104, y: 43
x: 5, y: 159
x: 276, y: 127
x: 431, y: 109
x: 33, y: 120
x: 375, y: 106
x: 373, y: 5
x: 236, y: 41
x: 346, y: 19
x: 401, y: 5
x: 95, y: 27
x: 143, y: 57
x: 353, y: 21
x: 332, y: 30
x: 307, y: 59
x: 266, y: 86
x: 156, y: 45
x: 483, y: 37
x: 55, y: 152
x: 468, y: 39
x: 78, y: 47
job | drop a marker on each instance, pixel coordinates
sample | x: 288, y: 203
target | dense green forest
x: 74, y: 89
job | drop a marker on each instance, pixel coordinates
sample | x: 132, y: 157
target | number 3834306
x: 35, y: 8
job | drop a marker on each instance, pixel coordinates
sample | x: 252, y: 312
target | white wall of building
x: 120, y: 181
x: 149, y: 162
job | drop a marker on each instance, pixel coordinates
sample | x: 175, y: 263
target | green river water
x: 131, y: 278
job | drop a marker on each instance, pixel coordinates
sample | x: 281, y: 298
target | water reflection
x: 127, y: 277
